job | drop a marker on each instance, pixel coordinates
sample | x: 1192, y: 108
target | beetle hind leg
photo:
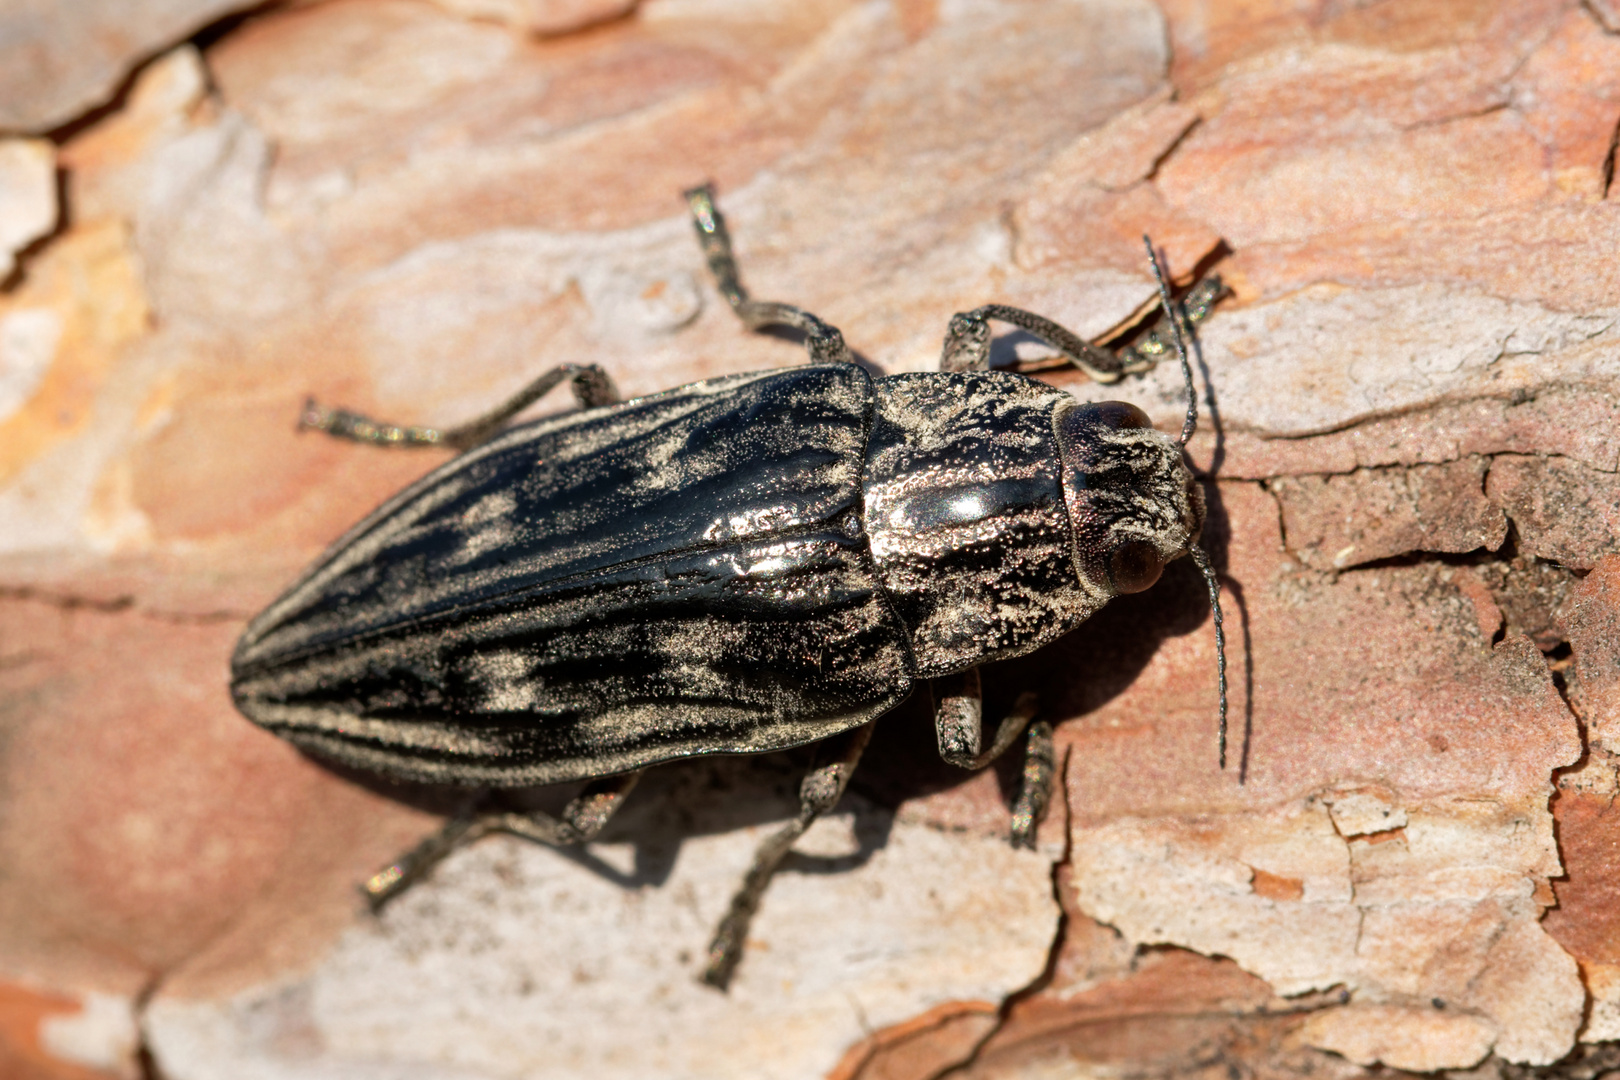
x: 578, y: 823
x: 959, y: 727
x: 818, y: 793
x: 823, y: 340
x: 590, y: 384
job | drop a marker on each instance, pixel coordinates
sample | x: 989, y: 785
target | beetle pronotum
x: 744, y: 564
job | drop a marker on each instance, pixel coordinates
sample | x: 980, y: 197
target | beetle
x: 745, y: 564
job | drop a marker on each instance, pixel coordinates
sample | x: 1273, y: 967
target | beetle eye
x: 1117, y: 414
x: 1134, y: 566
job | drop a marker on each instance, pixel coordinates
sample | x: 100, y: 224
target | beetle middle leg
x: 579, y: 822
x: 959, y: 726
x: 590, y: 383
x: 818, y: 793
x: 824, y: 341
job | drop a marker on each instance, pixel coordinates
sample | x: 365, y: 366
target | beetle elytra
x: 744, y: 564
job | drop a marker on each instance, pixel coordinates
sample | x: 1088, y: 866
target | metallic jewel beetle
x: 740, y: 565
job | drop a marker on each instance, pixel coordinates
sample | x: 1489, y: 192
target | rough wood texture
x: 409, y: 208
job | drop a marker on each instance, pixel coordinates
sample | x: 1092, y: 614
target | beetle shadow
x: 682, y: 800
x: 1217, y: 541
x: 1004, y: 352
x: 1076, y: 674
x: 674, y: 802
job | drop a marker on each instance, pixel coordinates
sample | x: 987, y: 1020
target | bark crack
x: 1608, y: 158
x: 115, y: 605
x: 1059, y: 936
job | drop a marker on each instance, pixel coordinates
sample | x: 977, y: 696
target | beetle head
x: 1133, y: 503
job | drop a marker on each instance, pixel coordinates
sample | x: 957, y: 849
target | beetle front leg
x: 1157, y: 341
x: 967, y: 342
x: 579, y: 822
x: 818, y: 793
x: 959, y: 727
x: 591, y: 386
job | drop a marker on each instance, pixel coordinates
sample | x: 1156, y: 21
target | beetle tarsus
x: 579, y: 822
x: 414, y: 865
x: 818, y: 793
x: 823, y: 341
x: 1158, y: 340
x: 1035, y: 788
x: 725, y: 951
x: 967, y: 342
x: 591, y: 385
x: 357, y: 427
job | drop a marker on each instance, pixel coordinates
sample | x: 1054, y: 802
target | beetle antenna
x: 1204, y: 567
x: 1189, y: 425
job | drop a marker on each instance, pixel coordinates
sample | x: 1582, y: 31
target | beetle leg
x: 1157, y: 341
x: 581, y: 819
x: 823, y: 340
x: 818, y: 793
x: 579, y: 822
x: 959, y: 721
x: 967, y: 342
x: 590, y: 383
x: 412, y: 866
x: 959, y: 725
x: 1035, y: 787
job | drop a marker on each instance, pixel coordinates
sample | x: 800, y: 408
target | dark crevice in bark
x: 1060, y: 935
x: 1598, y: 17
x: 1559, y: 660
x: 1608, y: 159
x: 145, y: 1060
x: 1587, y: 1061
x: 202, y: 38
x: 1451, y: 118
x: 1175, y: 144
x: 113, y: 605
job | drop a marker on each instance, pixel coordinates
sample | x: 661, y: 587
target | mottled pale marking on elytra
x: 508, y: 678
x: 759, y: 521
x: 415, y: 734
x: 488, y: 526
